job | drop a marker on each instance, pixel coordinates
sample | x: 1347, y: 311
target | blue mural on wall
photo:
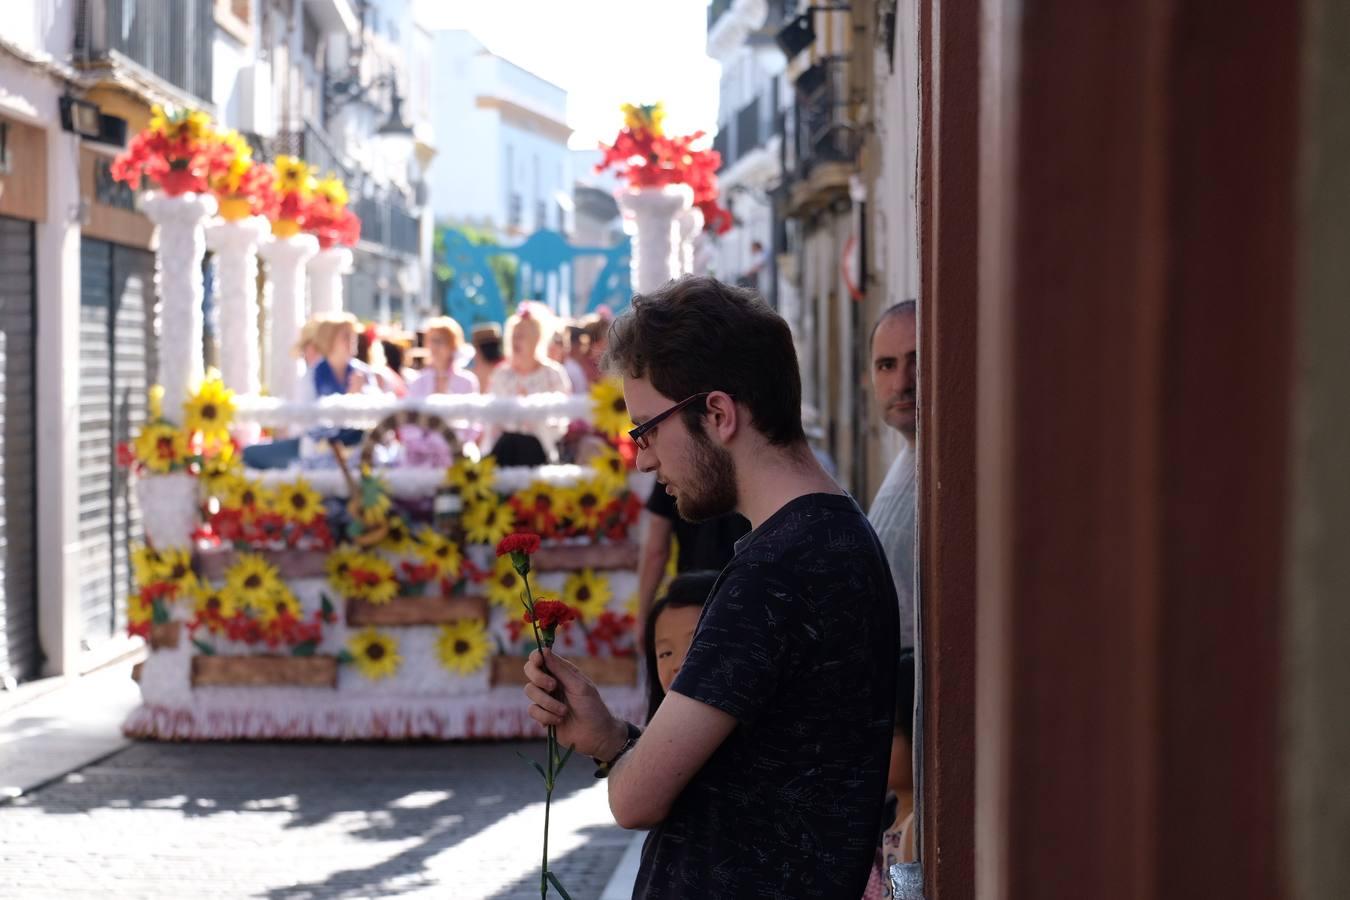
x: 545, y: 268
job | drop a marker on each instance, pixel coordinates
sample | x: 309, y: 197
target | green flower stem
x: 552, y: 731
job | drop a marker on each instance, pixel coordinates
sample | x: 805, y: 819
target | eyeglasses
x: 641, y: 435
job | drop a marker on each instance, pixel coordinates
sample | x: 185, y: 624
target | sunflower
x: 147, y: 564
x: 463, y: 646
x: 210, y: 411
x: 161, y: 447
x: 214, y: 602
x: 375, y: 653
x: 252, y: 581
x: 505, y: 586
x: 176, y: 568
x: 611, y: 472
x: 339, y: 566
x: 399, y: 538
x: 474, y: 479
x: 538, y: 506
x: 332, y: 190
x: 586, y: 505
x: 293, y: 176
x: 441, y: 552
x: 587, y: 593
x: 487, y: 522
x: 297, y: 501
x: 609, y: 409
x: 218, y: 472
x: 246, y: 494
x: 372, y: 579
x: 279, y: 603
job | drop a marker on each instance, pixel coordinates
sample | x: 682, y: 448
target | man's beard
x: 710, y: 490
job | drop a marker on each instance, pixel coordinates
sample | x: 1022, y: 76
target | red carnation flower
x: 520, y: 542
x: 548, y: 616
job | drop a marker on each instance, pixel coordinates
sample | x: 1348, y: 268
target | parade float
x: 353, y: 594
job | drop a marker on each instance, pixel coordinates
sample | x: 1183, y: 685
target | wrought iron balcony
x: 171, y: 39
x: 820, y: 128
x: 386, y: 221
x: 313, y: 145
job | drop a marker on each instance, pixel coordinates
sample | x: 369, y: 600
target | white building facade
x: 514, y: 176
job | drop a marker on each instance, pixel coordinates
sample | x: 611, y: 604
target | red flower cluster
x: 648, y: 159
x: 612, y: 630
x: 520, y: 542
x: 550, y: 615
x: 285, y: 629
x: 417, y: 574
x: 250, y: 529
x: 331, y: 224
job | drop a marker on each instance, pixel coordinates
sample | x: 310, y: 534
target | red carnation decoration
x: 520, y: 542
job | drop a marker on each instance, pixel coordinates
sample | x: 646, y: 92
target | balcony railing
x: 820, y: 128
x: 169, y: 38
x: 314, y: 147
x: 387, y: 222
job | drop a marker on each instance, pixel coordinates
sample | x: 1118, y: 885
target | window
x: 540, y: 214
x: 515, y: 208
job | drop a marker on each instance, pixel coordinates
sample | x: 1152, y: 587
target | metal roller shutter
x: 117, y: 366
x: 20, y: 654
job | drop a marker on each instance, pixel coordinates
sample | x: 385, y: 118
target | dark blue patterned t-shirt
x: 798, y: 641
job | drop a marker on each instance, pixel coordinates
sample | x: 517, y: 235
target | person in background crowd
x: 370, y: 351
x: 893, y: 349
x: 527, y: 371
x: 338, y: 371
x: 441, y: 375
x: 763, y: 770
x: 597, y: 339
x: 751, y: 277
x: 707, y: 545
x: 576, y: 351
x: 487, y: 345
x: 307, y: 346
x: 670, y: 629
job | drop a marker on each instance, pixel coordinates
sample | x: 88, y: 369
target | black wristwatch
x: 602, y: 767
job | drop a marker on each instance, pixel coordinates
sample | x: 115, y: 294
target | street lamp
x: 396, y: 127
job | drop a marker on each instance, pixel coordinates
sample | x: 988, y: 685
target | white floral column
x: 656, y: 242
x: 178, y: 281
x: 236, y: 247
x: 691, y: 226
x: 325, y: 279
x: 286, y: 259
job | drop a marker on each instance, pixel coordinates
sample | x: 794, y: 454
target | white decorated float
x: 354, y: 594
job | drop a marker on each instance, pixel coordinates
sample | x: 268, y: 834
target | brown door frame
x: 1136, y: 279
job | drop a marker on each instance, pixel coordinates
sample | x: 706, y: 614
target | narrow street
x: 308, y: 821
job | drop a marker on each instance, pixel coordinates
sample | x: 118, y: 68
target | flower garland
x: 180, y: 151
x: 204, y: 440
x: 646, y: 156
x: 328, y: 217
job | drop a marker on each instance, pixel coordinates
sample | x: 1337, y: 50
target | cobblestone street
x: 307, y: 821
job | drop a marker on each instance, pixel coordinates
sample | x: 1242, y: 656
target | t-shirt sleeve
x: 660, y: 503
x: 745, y: 645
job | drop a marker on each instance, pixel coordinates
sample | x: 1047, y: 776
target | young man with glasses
x: 763, y: 772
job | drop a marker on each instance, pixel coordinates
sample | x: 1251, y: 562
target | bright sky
x: 603, y: 52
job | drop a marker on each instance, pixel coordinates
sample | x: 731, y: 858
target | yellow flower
x: 210, y: 411
x: 215, y: 602
x: 398, y: 539
x: 146, y: 564
x: 463, y: 646
x: 587, y: 593
x: 375, y: 653
x: 161, y: 447
x: 441, y: 552
x: 372, y: 579
x: 243, y: 493
x: 474, y: 479
x: 332, y: 190
x: 488, y: 522
x: 219, y: 472
x: 630, y: 605
x: 176, y: 568
x: 293, y: 176
x: 280, y: 602
x: 611, y: 472
x: 297, y: 501
x: 650, y: 118
x: 253, y: 581
x: 339, y: 566
x: 609, y: 409
x: 154, y: 410
x: 586, y: 504
x: 139, y: 611
x: 505, y: 587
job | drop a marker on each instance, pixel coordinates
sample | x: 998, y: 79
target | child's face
x: 674, y: 631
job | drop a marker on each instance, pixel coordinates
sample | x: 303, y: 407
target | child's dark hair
x: 687, y: 589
